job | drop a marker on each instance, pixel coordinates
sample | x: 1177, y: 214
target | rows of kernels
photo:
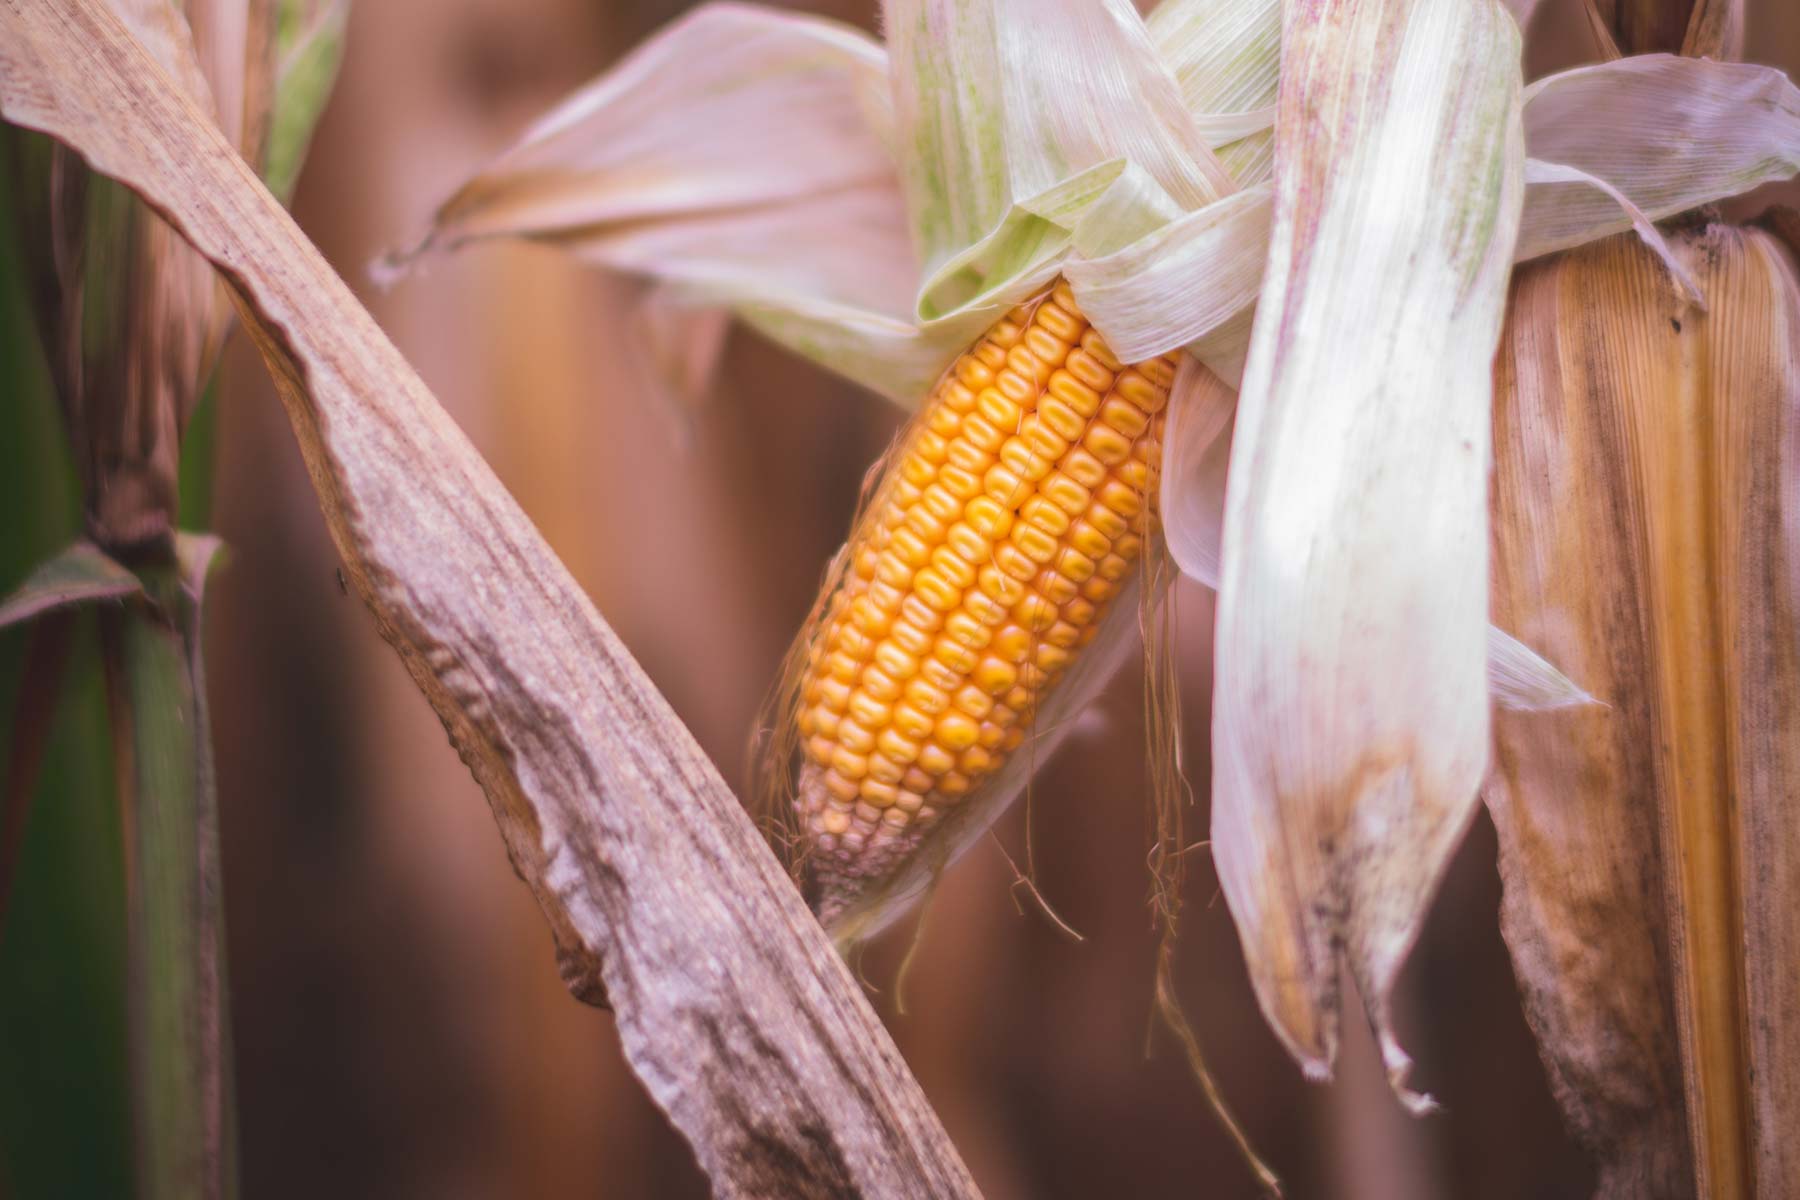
x: 1013, y: 515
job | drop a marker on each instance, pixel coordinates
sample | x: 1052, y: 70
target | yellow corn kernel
x: 1014, y: 510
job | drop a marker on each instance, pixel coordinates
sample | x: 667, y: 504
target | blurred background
x: 400, y: 1028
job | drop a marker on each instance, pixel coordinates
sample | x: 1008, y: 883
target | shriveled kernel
x: 1113, y: 567
x: 1013, y: 644
x: 1126, y: 501
x: 958, y: 482
x: 1057, y: 589
x: 934, y: 760
x: 855, y: 737
x: 956, y: 732
x: 895, y: 661
x: 991, y: 353
x: 1014, y: 562
x: 1023, y: 461
x: 1039, y: 547
x: 1035, y: 613
x: 1107, y: 444
x: 1065, y: 493
x: 995, y: 676
x: 1000, y: 586
x: 1079, y: 613
x: 953, y: 783
x: 976, y: 760
x: 917, y: 471
x: 849, y: 764
x: 1044, y: 441
x: 1135, y: 475
x: 927, y: 698
x: 983, y: 607
x: 905, y: 805
x: 1044, y: 515
x: 1083, y: 468
x: 917, y: 781
x: 1005, y: 487
x: 958, y: 396
x: 909, y: 638
x: 879, y: 684
x: 878, y: 794
x: 883, y: 769
x: 958, y: 571
x: 988, y: 518
x: 930, y: 446
x: 890, y: 568
x: 1062, y: 420
x: 1110, y: 524
x: 920, y: 614
x: 982, y: 433
x: 973, y: 701
x: 867, y: 711
x: 1063, y: 634
x: 840, y: 786
x: 1074, y: 393
x: 1072, y: 564
x: 1128, y: 546
x: 912, y: 549
x: 853, y: 641
x: 1092, y: 343
x: 970, y: 546
x: 1016, y: 388
x: 966, y: 456
x: 896, y: 746
x: 973, y: 372
x: 939, y: 501
x: 843, y: 667
x: 1052, y: 658
x: 925, y: 523
x: 1099, y: 589
x: 997, y: 408
x: 1045, y: 347
x: 834, y: 694
x: 1062, y: 324
x: 1088, y: 540
x: 935, y: 672
x: 955, y: 655
x: 931, y: 586
x: 913, y: 722
x: 967, y: 630
x: 1140, y: 391
x: 1127, y: 420
x: 1086, y: 365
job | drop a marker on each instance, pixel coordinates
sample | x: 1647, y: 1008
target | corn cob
x: 1013, y: 511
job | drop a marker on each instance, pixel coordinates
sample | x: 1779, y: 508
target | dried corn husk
x: 1647, y: 538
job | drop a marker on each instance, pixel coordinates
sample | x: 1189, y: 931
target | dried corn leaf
x: 729, y: 1002
x: 1647, y: 536
x: 1350, y: 714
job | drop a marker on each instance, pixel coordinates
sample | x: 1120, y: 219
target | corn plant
x: 1230, y: 286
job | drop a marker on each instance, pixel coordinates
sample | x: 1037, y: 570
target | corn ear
x: 1013, y: 514
x: 1647, y: 537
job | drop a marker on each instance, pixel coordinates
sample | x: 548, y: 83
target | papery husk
x: 1647, y: 539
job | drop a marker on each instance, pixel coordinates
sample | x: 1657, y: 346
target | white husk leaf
x: 1226, y: 55
x: 1350, y: 711
x: 1671, y: 133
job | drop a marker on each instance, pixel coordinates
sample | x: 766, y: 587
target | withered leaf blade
x: 1350, y: 709
x: 77, y: 575
x: 1647, y: 537
x: 729, y: 1002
